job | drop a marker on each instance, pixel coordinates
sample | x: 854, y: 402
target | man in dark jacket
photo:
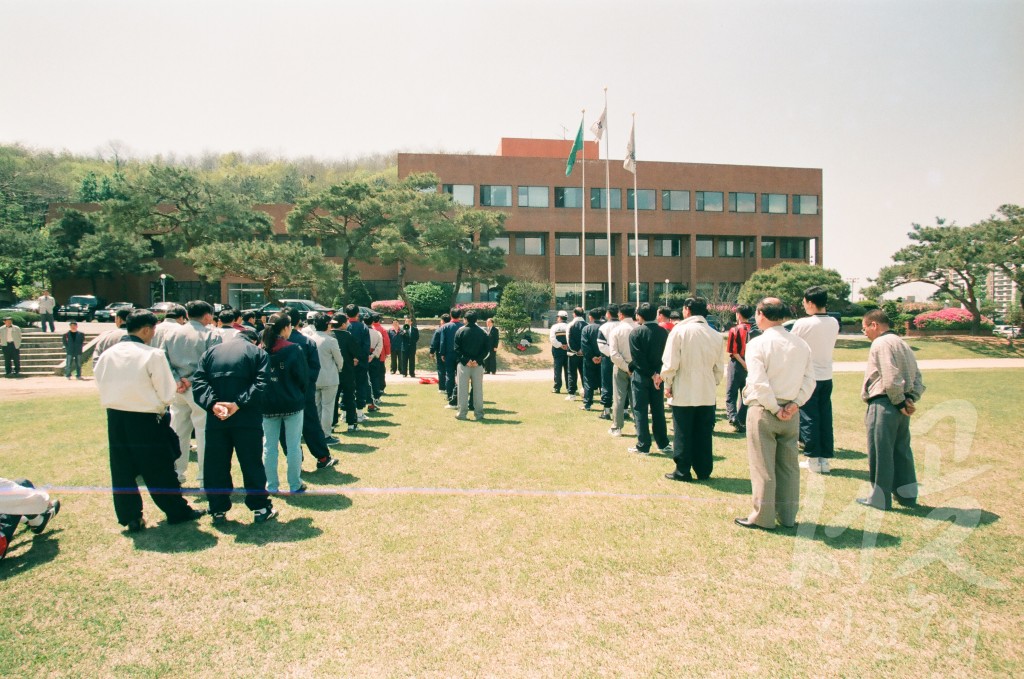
x: 347, y: 377
x: 410, y: 338
x: 447, y: 351
x: 361, y: 334
x: 229, y: 384
x: 73, y: 341
x: 491, y: 362
x: 591, y: 356
x: 312, y: 433
x: 435, y: 351
x: 471, y: 346
x: 574, y: 353
x: 646, y: 346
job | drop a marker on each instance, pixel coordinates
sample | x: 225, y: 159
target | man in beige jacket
x: 692, y: 368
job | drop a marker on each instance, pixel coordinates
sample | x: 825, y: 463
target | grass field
x: 530, y: 544
x: 951, y: 347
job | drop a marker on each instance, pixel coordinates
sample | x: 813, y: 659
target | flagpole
x: 583, y: 219
x: 636, y: 226
x: 608, y: 193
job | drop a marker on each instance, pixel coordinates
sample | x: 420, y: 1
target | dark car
x: 107, y: 313
x: 306, y: 306
x: 80, y: 308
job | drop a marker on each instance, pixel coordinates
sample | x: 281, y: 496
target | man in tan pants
x: 780, y: 378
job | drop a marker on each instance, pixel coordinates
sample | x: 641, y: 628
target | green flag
x: 577, y: 146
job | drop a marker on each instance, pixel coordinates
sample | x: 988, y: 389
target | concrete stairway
x: 43, y: 354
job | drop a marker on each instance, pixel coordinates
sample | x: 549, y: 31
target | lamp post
x: 666, y: 292
x: 163, y: 287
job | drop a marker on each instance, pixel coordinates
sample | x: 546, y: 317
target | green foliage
x: 520, y: 300
x: 459, y: 243
x: 273, y: 265
x: 22, y: 319
x: 788, y: 280
x: 429, y: 299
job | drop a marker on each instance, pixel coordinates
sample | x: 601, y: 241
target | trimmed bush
x: 950, y: 319
x: 22, y: 319
x: 484, y: 310
x: 388, y: 306
x: 429, y: 299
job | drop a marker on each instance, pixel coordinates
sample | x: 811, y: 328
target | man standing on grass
x: 607, y: 368
x: 591, y: 357
x: 471, y: 348
x: 361, y: 334
x: 435, y: 352
x: 184, y: 346
x: 892, y: 388
x: 312, y: 434
x: 491, y: 362
x: 736, y: 370
x: 780, y: 378
x: 349, y: 349
x: 692, y: 369
x: 574, y: 351
x: 396, y: 334
x: 331, y: 363
x: 73, y: 341
x: 559, y: 350
x: 10, y: 344
x: 646, y: 346
x: 410, y: 338
x: 820, y: 331
x: 229, y: 384
x: 618, y: 352
x: 136, y: 386
x: 446, y: 350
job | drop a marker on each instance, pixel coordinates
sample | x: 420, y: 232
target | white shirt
x: 820, y: 332
x: 331, y: 360
x: 46, y: 304
x: 135, y: 377
x: 692, y: 363
x: 779, y: 368
x: 376, y: 343
x: 618, y: 344
x: 226, y: 333
x: 603, y: 333
x: 561, y: 327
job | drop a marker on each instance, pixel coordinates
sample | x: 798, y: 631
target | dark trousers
x: 693, y: 427
x: 561, y: 361
x: 735, y: 380
x: 347, y: 389
x: 575, y: 373
x: 647, y: 397
x: 45, y: 319
x: 362, y: 384
x: 442, y: 374
x: 890, y: 458
x: 312, y: 432
x: 591, y: 380
x: 816, y: 422
x: 377, y: 372
x: 451, y: 386
x: 396, y: 360
x: 247, y: 444
x: 12, y: 357
x: 144, y: 444
x: 407, y: 362
x: 491, y: 362
x: 607, y: 382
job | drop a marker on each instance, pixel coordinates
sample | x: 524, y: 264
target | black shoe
x: 264, y: 515
x: 747, y: 524
x: 136, y: 525
x: 556, y: 390
x: 606, y: 414
x: 676, y: 476
x: 191, y: 515
x: 326, y: 462
x: 50, y: 512
x: 219, y: 518
x: 302, y: 489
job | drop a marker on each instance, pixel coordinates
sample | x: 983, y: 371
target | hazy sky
x: 912, y: 109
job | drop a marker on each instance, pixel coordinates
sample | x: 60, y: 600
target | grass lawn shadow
x: 319, y: 502
x: 988, y: 349
x: 392, y: 405
x: 374, y: 422
x: 499, y: 411
x: 853, y: 344
x: 847, y: 454
x: 276, y: 530
x: 725, y: 484
x: 356, y: 448
x: 330, y: 476
x: 861, y: 474
x: 494, y: 420
x: 39, y: 550
x: 969, y: 517
x: 842, y: 537
x: 166, y: 538
x: 364, y: 433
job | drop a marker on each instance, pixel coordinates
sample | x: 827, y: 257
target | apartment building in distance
x: 1002, y: 290
x: 703, y: 228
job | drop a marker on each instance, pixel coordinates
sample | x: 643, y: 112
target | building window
x: 767, y: 248
x: 793, y: 248
x: 529, y: 244
x: 731, y: 247
x: 741, y: 202
x: 460, y: 193
x: 709, y: 201
x: 805, y: 205
x: 643, y: 246
x: 501, y: 243
x: 568, y: 196
x: 533, y: 196
x: 599, y: 198
x: 644, y: 292
x: 773, y: 203
x: 645, y: 199
x: 705, y: 246
x: 666, y: 247
x: 675, y: 200
x: 489, y: 293
x: 598, y: 245
x: 496, y: 196
x: 567, y: 245
x: 706, y: 290
x: 568, y: 295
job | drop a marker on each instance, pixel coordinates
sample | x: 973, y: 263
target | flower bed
x: 483, y: 310
x: 949, y: 320
x: 388, y: 306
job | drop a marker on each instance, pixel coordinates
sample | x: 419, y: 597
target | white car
x: 1007, y: 331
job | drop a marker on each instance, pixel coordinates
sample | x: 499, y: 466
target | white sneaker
x: 615, y: 431
x: 811, y: 464
x: 826, y: 466
x: 570, y: 397
x: 361, y: 417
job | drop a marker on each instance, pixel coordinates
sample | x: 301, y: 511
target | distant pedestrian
x: 10, y: 344
x: 46, y: 306
x: 397, y: 337
x: 558, y: 335
x: 491, y: 362
x: 736, y: 369
x: 73, y: 341
x: 410, y: 339
x: 471, y: 348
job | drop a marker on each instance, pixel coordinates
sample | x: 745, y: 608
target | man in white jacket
x: 692, y: 368
x: 328, y: 378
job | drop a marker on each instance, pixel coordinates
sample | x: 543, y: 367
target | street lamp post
x: 163, y: 287
x: 666, y: 292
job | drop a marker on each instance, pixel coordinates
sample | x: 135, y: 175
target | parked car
x: 28, y: 306
x: 307, y: 306
x: 107, y: 313
x: 1008, y: 331
x: 80, y: 308
x: 161, y: 308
